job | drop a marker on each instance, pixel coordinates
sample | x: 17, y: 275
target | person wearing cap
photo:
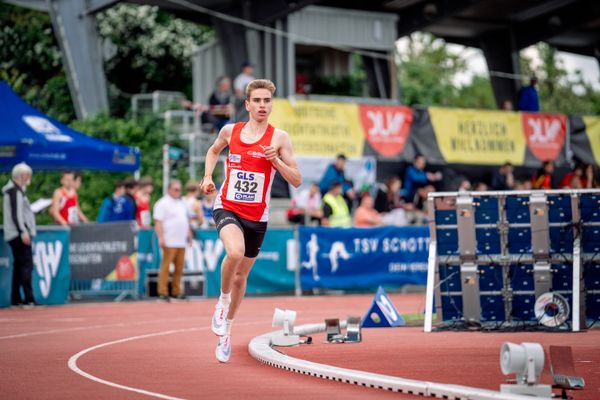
x: 19, y: 231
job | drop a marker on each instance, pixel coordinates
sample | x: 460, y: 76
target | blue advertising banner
x: 273, y: 270
x: 51, y: 272
x: 363, y: 258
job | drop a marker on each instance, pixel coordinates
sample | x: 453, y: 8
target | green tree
x: 427, y: 70
x: 558, y: 92
x: 151, y: 49
x: 148, y: 134
x: 30, y: 61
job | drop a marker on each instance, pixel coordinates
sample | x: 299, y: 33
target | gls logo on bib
x: 46, y: 258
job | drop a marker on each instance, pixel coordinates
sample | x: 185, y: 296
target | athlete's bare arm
x: 280, y: 153
x: 54, y: 208
x: 212, y: 156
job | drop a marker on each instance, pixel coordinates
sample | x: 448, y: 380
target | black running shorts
x: 254, y: 232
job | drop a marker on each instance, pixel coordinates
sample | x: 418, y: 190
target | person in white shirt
x: 243, y: 79
x: 172, y: 226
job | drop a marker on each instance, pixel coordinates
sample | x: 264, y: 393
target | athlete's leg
x: 239, y: 285
x: 233, y: 239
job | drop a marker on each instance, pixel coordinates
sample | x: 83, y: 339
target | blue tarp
x: 29, y: 135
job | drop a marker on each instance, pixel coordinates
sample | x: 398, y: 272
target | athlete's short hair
x: 260, y: 84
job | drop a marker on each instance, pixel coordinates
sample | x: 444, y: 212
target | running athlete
x: 256, y: 151
x: 65, y: 206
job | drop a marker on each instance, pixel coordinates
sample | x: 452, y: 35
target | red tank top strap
x: 268, y: 136
x: 237, y: 132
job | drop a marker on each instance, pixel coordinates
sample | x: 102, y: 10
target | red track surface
x: 36, y: 345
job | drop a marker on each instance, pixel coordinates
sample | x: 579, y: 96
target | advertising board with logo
x: 545, y: 134
x: 338, y: 258
x: 273, y: 271
x: 51, y: 273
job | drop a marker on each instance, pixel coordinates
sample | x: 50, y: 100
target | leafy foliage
x: 557, y: 92
x: 31, y: 63
x: 427, y: 70
x: 148, y: 134
x: 151, y: 51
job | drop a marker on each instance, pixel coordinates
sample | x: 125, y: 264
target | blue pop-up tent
x: 28, y: 135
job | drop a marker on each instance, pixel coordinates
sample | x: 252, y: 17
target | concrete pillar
x: 502, y: 54
x: 76, y: 32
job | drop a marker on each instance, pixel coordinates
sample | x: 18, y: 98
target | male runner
x: 256, y: 152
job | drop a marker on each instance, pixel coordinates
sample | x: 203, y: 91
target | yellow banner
x: 592, y: 129
x: 319, y: 128
x: 479, y: 137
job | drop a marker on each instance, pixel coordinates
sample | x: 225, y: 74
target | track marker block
x: 382, y: 313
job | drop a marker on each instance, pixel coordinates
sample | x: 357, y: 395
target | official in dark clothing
x: 19, y: 231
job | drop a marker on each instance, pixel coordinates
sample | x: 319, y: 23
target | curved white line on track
x: 73, y: 363
x: 73, y: 360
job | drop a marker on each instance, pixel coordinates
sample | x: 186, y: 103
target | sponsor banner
x: 592, y: 129
x: 51, y: 274
x: 386, y: 127
x: 103, y: 251
x: 478, y: 137
x: 338, y: 258
x: 320, y: 128
x: 545, y: 134
x: 272, y: 272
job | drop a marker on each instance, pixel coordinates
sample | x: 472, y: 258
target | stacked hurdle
x: 492, y: 254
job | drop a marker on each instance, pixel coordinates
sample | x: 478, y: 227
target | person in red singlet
x: 142, y: 201
x: 256, y: 151
x: 65, y: 207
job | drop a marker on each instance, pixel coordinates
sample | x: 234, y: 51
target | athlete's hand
x: 207, y: 185
x: 270, y: 152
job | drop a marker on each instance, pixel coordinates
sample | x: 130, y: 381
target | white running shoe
x: 223, y: 350
x: 219, y: 320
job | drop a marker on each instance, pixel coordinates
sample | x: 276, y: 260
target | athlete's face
x: 259, y: 104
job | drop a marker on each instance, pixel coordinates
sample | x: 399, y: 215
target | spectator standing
x: 131, y: 186
x: 65, y: 205
x: 416, y: 176
x: 503, y: 178
x: 543, y: 177
x: 239, y: 86
x: 335, y: 173
x: 529, y: 99
x: 113, y: 207
x: 142, y: 195
x: 219, y: 103
x: 366, y: 215
x: 192, y: 203
x: 19, y: 231
x: 335, y: 208
x: 243, y: 79
x: 172, y: 227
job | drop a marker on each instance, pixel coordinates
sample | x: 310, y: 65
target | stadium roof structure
x: 499, y: 27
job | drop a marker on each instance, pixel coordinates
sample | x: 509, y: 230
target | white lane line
x: 73, y: 363
x: 84, y: 328
x: 73, y: 360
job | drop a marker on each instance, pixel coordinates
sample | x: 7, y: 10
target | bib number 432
x: 246, y: 187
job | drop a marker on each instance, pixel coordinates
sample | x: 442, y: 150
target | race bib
x: 245, y: 187
x: 145, y: 218
x: 73, y: 217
